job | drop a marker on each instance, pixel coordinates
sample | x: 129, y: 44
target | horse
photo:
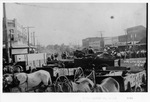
x: 28, y: 82
x: 79, y: 84
x: 8, y: 69
x: 78, y: 73
x: 12, y: 69
x: 88, y: 84
x: 7, y: 82
x: 107, y: 85
x: 82, y: 85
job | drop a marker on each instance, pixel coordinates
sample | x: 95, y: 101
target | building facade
x: 111, y: 41
x: 134, y: 37
x: 136, y: 34
x: 108, y: 41
x: 96, y: 43
x: 115, y: 41
x: 16, y: 39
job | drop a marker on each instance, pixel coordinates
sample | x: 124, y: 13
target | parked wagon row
x: 64, y: 72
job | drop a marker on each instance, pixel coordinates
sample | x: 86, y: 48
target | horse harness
x: 26, y: 81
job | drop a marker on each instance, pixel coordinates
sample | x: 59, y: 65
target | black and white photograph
x: 74, y: 47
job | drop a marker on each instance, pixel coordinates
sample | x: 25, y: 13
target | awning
x: 20, y: 46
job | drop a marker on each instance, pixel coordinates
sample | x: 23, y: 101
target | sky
x: 69, y: 23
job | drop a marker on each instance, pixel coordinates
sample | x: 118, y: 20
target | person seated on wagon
x: 91, y: 50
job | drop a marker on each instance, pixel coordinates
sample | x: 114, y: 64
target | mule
x: 8, y: 69
x: 108, y: 85
x: 12, y: 69
x: 82, y: 85
x: 27, y: 82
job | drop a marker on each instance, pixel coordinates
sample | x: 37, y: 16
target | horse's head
x: 5, y: 70
x: 78, y: 73
x: 107, y: 85
x: 6, y: 83
x: 85, y: 80
x: 97, y: 88
x: 84, y: 84
x: 8, y: 69
x: 7, y: 80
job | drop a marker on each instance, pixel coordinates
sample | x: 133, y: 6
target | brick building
x: 17, y: 39
x: 96, y: 43
x: 133, y: 38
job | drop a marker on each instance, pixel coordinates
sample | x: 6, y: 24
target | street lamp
x: 126, y: 38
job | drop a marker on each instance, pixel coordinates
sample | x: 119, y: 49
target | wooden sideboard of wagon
x: 56, y: 71
x: 128, y: 81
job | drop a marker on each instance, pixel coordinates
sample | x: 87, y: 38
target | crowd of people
x: 115, y: 52
x: 126, y: 53
x: 64, y: 55
x: 57, y: 56
x: 53, y: 57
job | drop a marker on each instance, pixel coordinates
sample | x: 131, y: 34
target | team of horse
x: 41, y: 81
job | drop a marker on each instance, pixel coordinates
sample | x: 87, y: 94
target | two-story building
x: 134, y: 38
x: 97, y: 43
x: 16, y: 37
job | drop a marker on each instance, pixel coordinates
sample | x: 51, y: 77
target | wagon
x: 128, y: 81
x: 56, y: 72
x: 99, y: 61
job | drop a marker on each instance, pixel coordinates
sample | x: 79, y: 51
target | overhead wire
x: 39, y: 6
x: 25, y: 4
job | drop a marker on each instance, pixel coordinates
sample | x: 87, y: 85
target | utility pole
x: 126, y: 38
x: 31, y: 39
x: 37, y: 44
x: 28, y: 37
x: 134, y: 41
x: 78, y: 44
x: 6, y: 34
x: 101, y: 40
x: 10, y: 47
x: 34, y: 38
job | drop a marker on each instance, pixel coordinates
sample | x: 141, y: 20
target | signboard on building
x: 108, y: 41
x: 19, y: 51
x: 121, y: 43
x: 95, y: 44
x: 20, y: 58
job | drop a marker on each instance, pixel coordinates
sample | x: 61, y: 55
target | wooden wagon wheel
x: 78, y: 74
x: 62, y: 84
